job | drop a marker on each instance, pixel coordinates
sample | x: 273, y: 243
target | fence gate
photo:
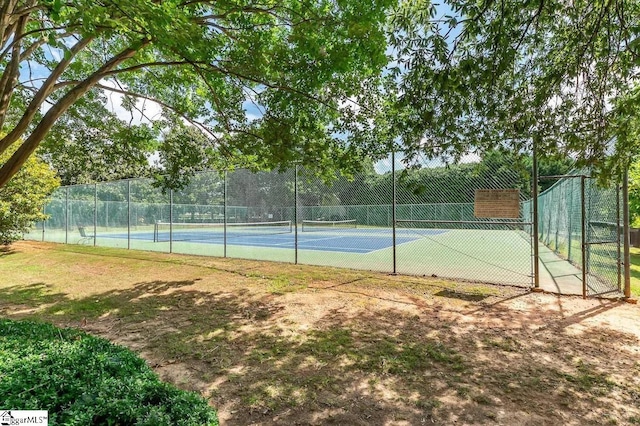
x: 603, y: 237
x: 581, y: 221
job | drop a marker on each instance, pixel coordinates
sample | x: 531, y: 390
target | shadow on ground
x: 266, y: 359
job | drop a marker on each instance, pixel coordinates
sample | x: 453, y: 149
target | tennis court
x: 498, y: 256
x: 296, y: 218
x: 334, y: 236
x: 489, y: 255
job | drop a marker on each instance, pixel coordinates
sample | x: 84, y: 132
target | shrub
x: 22, y: 198
x: 85, y: 380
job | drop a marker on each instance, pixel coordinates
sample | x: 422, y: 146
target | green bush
x: 22, y: 198
x: 85, y: 380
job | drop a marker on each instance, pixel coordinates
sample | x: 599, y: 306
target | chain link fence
x: 581, y: 221
x: 435, y: 205
x: 419, y: 217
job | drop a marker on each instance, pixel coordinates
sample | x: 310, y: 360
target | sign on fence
x: 497, y: 203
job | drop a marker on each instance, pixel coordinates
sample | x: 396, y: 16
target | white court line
x: 322, y: 239
x: 305, y: 241
x: 316, y: 248
x: 397, y: 245
x: 300, y: 243
x: 289, y: 241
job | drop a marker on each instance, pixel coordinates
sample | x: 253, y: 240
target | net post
x: 583, y: 218
x: 295, y: 213
x: 171, y: 221
x: 224, y: 213
x: 534, y: 190
x: 95, y: 213
x: 393, y: 208
x: 625, y: 219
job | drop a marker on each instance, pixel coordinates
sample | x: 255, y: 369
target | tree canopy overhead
x: 296, y: 64
x: 269, y: 82
x: 504, y: 73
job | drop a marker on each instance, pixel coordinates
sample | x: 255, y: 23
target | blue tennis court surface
x: 354, y: 241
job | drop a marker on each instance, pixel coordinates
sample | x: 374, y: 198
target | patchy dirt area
x: 273, y: 343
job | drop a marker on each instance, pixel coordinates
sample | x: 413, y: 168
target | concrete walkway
x: 559, y: 276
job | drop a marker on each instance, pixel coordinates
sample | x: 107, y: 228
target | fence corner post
x: 295, y: 214
x: 584, y: 230
x: 534, y: 231
x: 626, y: 238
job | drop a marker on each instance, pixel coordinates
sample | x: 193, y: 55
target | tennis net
x: 326, y: 225
x: 164, y: 231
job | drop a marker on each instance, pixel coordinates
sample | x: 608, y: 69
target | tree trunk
x: 27, y: 148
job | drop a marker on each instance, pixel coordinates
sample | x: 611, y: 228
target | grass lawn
x: 635, y: 271
x: 273, y: 343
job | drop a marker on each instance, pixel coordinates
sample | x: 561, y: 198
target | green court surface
x: 488, y: 256
x: 492, y: 256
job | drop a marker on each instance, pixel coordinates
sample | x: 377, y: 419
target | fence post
x: 563, y: 197
x: 618, y: 236
x: 569, y: 211
x: 224, y: 213
x: 44, y: 220
x: 66, y: 216
x: 295, y: 213
x: 393, y: 207
x: 625, y: 219
x: 129, y: 214
x: 95, y: 213
x: 171, y: 221
x: 534, y: 190
x: 583, y: 219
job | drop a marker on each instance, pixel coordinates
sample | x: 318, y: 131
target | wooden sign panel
x: 497, y: 203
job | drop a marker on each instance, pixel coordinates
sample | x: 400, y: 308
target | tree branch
x: 161, y: 103
x: 145, y: 65
x: 27, y: 148
x: 28, y: 33
x: 42, y: 94
x: 267, y: 84
x: 6, y: 11
x: 10, y: 75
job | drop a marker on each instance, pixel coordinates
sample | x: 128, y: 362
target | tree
x: 476, y: 75
x: 89, y: 144
x: 21, y: 200
x: 184, y: 152
x: 296, y: 64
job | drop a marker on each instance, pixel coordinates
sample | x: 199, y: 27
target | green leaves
x: 82, y: 380
x: 22, y: 199
x: 266, y: 77
x: 495, y: 74
x: 90, y: 144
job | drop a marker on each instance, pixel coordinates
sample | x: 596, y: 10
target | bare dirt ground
x: 272, y: 343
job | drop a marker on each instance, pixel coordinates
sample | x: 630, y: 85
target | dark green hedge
x: 85, y: 380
